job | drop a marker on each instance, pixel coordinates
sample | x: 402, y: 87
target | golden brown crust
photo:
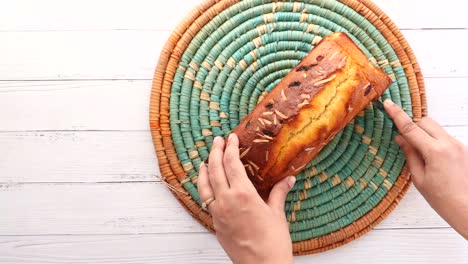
x: 306, y: 110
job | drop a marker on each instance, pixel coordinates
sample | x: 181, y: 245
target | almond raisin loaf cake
x: 305, y: 111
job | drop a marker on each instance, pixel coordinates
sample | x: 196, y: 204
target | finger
x: 235, y: 171
x: 415, y: 160
x: 216, y: 172
x: 278, y: 193
x: 413, y: 134
x: 203, y: 183
x: 432, y: 128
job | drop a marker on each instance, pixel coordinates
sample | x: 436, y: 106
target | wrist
x: 458, y: 216
x: 277, y: 260
x: 271, y: 259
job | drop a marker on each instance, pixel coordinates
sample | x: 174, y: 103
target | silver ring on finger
x: 207, y: 203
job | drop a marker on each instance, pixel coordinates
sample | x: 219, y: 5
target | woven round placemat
x: 227, y: 54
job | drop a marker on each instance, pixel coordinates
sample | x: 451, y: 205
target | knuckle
x: 242, y: 196
x: 242, y: 193
x: 233, y: 164
x: 443, y: 148
x: 219, y: 220
x: 224, y: 210
x: 458, y: 147
x: 215, y: 152
x: 408, y: 127
x: 213, y: 168
x: 398, y: 111
x: 424, y: 120
x: 228, y: 157
x: 220, y: 204
x: 462, y: 150
x: 215, y: 165
x: 428, y: 122
x: 452, y: 149
x: 447, y: 148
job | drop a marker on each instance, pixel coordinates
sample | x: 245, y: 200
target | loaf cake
x: 305, y: 111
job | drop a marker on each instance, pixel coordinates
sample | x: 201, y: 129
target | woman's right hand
x: 438, y: 164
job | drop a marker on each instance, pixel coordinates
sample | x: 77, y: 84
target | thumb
x: 279, y: 192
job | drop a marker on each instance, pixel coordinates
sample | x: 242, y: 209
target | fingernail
x: 201, y: 165
x: 388, y: 102
x: 217, y: 140
x: 232, y: 137
x: 291, y: 181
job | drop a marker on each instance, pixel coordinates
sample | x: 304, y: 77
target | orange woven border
x: 171, y: 168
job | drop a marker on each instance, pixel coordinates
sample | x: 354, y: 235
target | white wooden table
x: 78, y: 174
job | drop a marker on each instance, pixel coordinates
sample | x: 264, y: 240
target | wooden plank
x: 133, y: 54
x: 74, y: 15
x: 440, y: 53
x: 37, y: 209
x: 83, y: 105
x: 379, y: 246
x: 121, y: 39
x: 134, y: 208
x: 416, y: 14
x: 447, y: 100
x: 75, y: 157
x: 80, y: 54
x: 123, y: 105
x: 78, y: 157
x: 164, y: 15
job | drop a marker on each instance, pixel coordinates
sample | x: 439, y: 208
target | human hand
x: 249, y: 230
x: 438, y: 164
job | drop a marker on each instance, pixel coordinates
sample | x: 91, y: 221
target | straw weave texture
x: 227, y: 54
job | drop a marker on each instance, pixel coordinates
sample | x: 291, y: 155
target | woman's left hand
x: 249, y: 230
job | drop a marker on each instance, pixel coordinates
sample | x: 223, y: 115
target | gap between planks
x: 124, y: 105
x: 393, y: 246
x: 206, y: 232
x: 128, y: 208
x: 90, y: 157
x: 134, y: 54
x: 149, y: 14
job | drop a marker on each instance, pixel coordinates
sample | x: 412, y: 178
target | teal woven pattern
x: 240, y: 55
